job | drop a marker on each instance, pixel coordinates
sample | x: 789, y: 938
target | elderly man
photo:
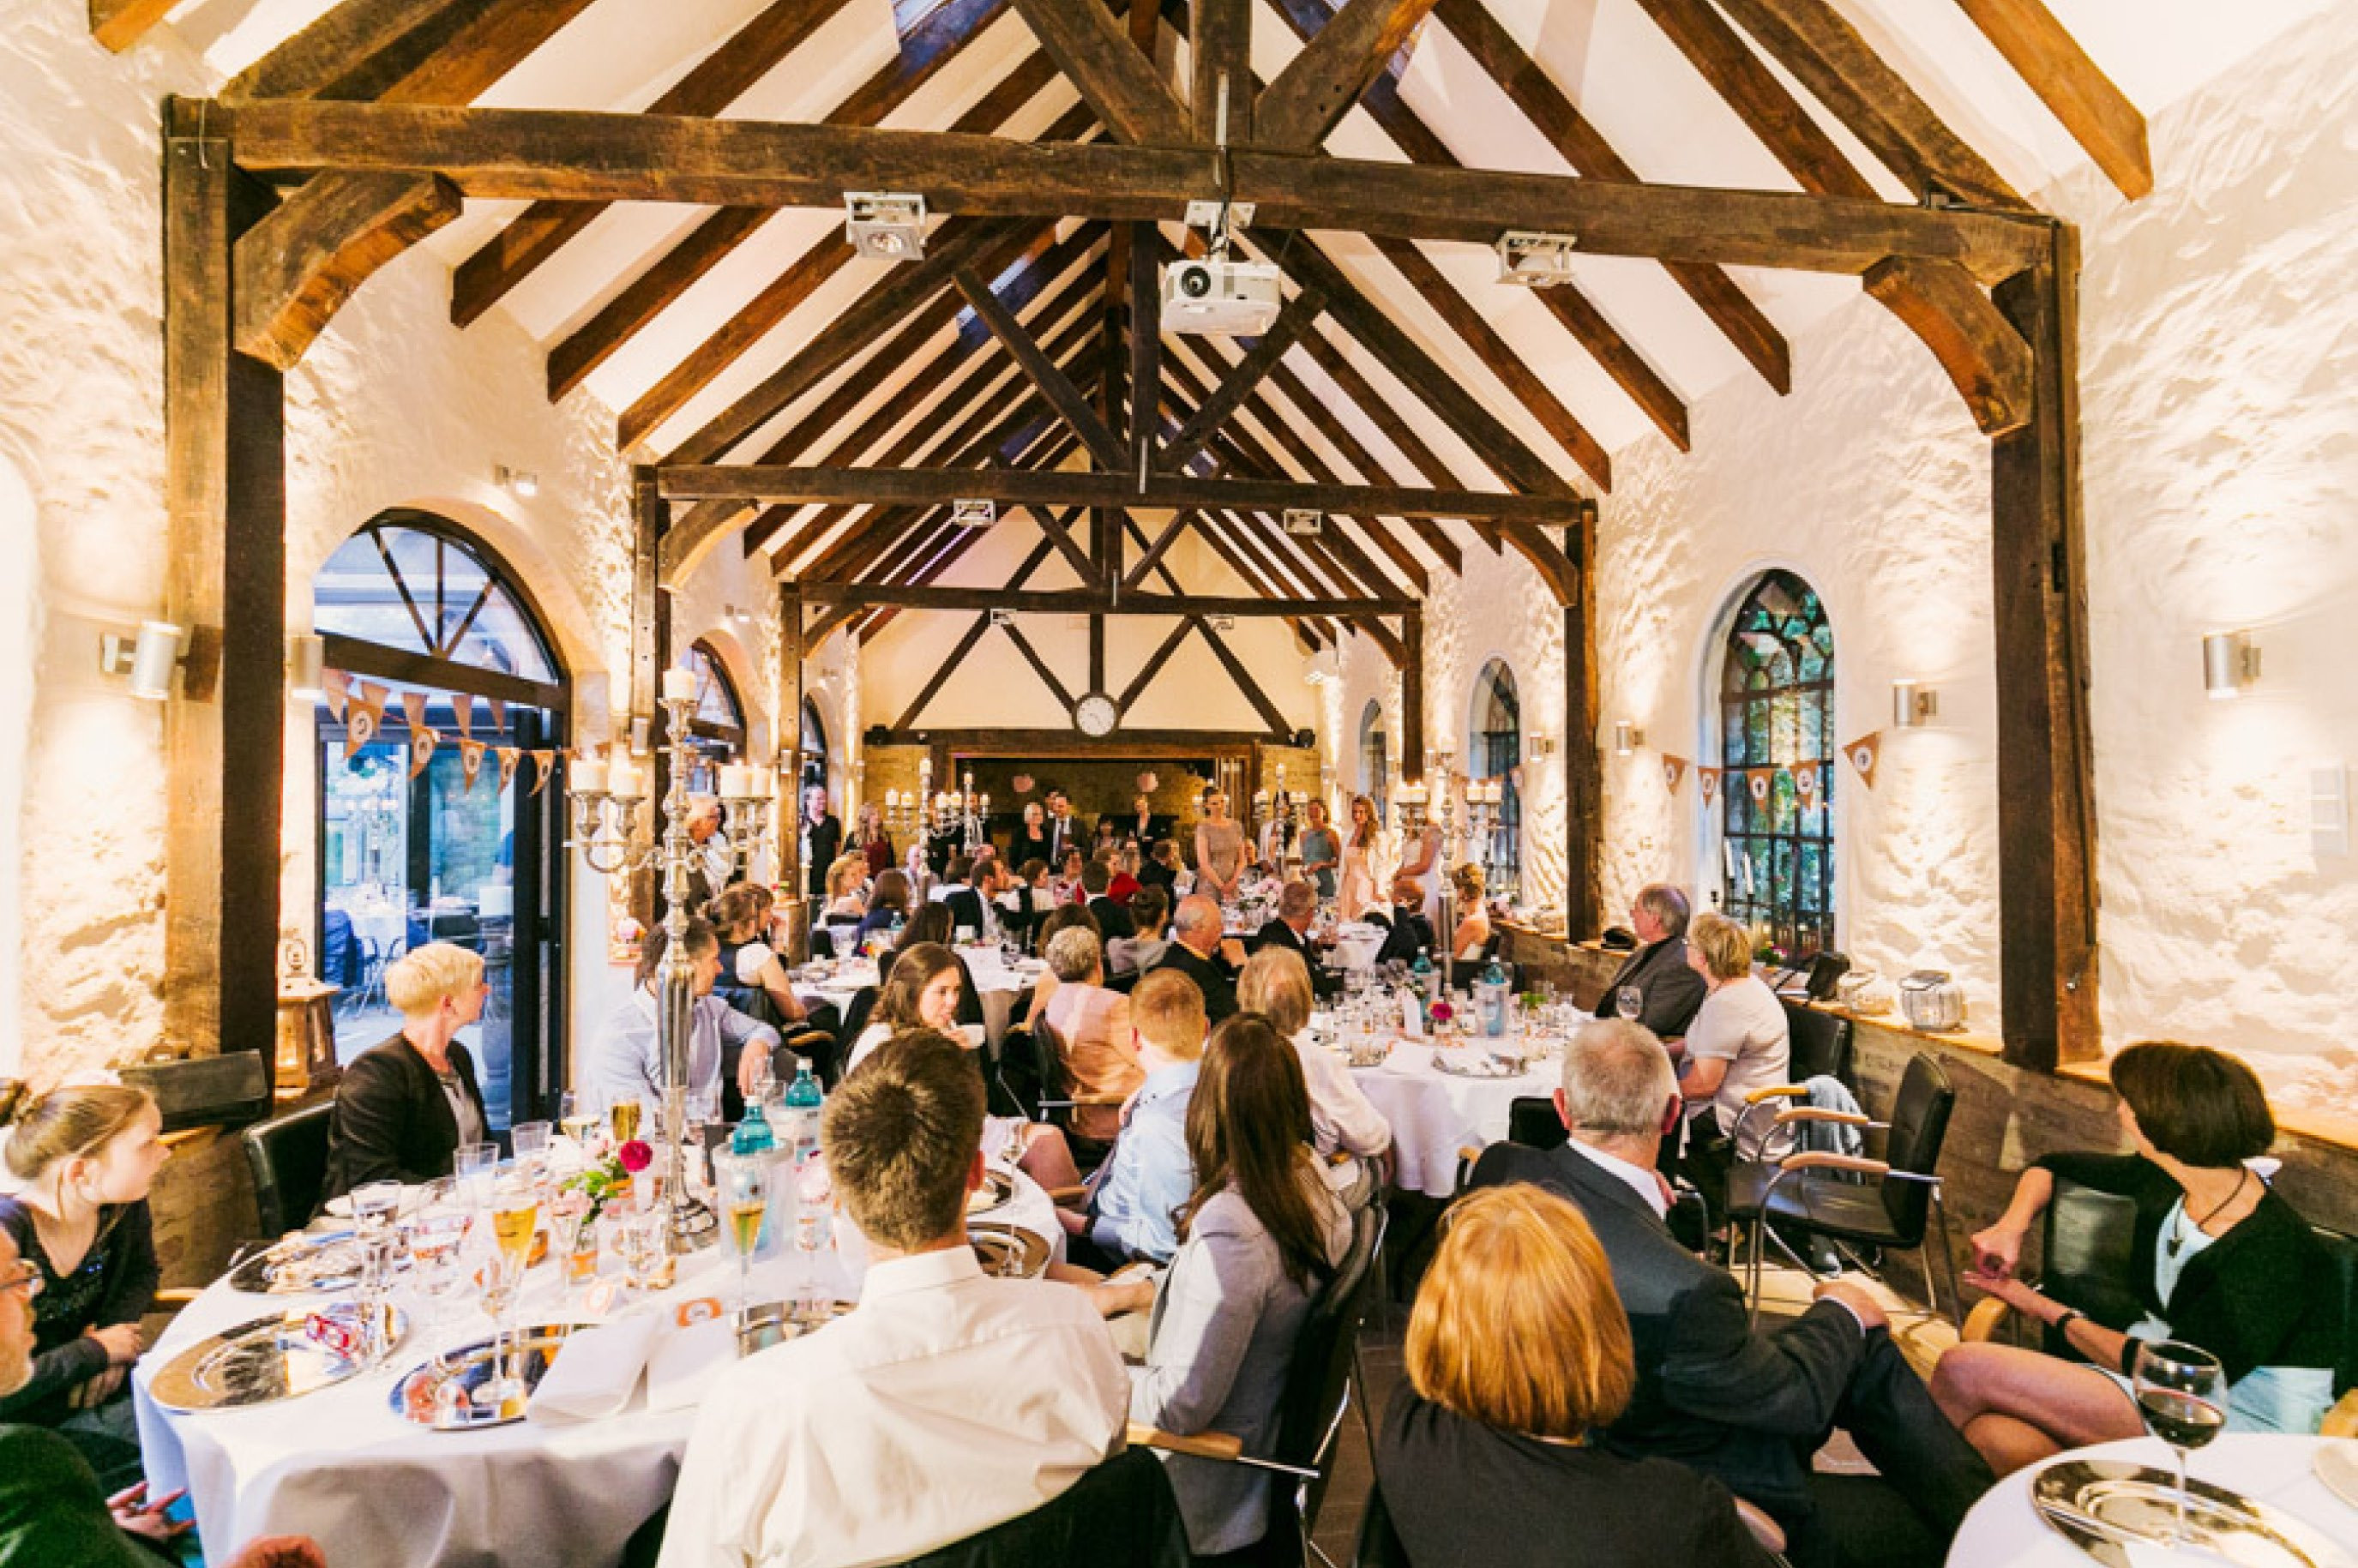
x: 822, y: 840
x: 1297, y: 907
x: 1201, y: 952
x: 1672, y: 991
x: 51, y: 1510
x: 1750, y: 1406
x: 716, y: 861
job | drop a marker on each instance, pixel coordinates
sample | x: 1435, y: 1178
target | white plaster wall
x: 20, y: 636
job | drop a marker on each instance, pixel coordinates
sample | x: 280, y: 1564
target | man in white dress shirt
x: 949, y: 1402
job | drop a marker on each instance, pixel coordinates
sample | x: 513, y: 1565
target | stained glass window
x: 1776, y: 744
x: 1498, y: 750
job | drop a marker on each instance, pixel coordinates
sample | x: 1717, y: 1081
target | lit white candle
x: 679, y: 684
x: 623, y: 780
x: 736, y: 782
x: 590, y: 775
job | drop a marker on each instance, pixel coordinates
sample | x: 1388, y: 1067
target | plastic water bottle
x: 1490, y: 998
x: 804, y: 1100
x: 752, y: 1135
x: 1421, y: 978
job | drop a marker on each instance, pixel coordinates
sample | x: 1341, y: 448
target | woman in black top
x: 84, y: 1157
x: 1518, y: 1351
x: 2218, y: 1261
x: 405, y: 1109
x: 888, y: 904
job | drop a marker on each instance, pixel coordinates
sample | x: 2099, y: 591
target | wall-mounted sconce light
x: 2230, y: 665
x: 1913, y: 706
x: 1627, y: 737
x: 738, y: 613
x: 1541, y: 745
x: 148, y: 657
x: 306, y: 668
x: 642, y: 736
x: 517, y: 482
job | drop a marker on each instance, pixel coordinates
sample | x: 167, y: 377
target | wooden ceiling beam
x: 1986, y: 360
x: 1240, y: 380
x: 1386, y: 419
x: 934, y: 560
x: 1341, y: 59
x: 1322, y: 418
x: 1220, y: 62
x: 543, y: 229
x: 531, y: 154
x: 1040, y: 371
x: 409, y: 52
x: 296, y: 266
x: 2074, y: 88
x: 1118, y: 82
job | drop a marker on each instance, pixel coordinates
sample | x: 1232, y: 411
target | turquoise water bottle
x: 1423, y: 976
x: 1491, y: 998
x: 803, y: 1102
x: 752, y: 1135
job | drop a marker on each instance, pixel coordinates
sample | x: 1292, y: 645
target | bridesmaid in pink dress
x: 1357, y: 891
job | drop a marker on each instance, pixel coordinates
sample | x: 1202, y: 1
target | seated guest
x: 1201, y: 950
x: 2234, y: 1270
x: 1410, y: 932
x: 81, y: 1160
x: 53, y: 1508
x: 993, y: 882
x: 1064, y: 917
x: 1258, y: 1240
x: 950, y: 1402
x: 956, y: 890
x: 1026, y: 903
x: 1297, y: 908
x: 626, y: 1062
x: 847, y: 890
x: 1161, y: 866
x: 1738, y: 1042
x: 1067, y: 883
x: 888, y: 905
x: 1518, y: 1361
x: 1124, y: 866
x: 1472, y: 937
x: 1093, y: 1026
x: 1343, y: 1121
x: 1658, y: 968
x: 1144, y: 1182
x: 932, y: 923
x: 1748, y: 1406
x: 1112, y: 913
x: 752, y: 979
x: 921, y: 991
x: 1149, y: 908
x: 403, y: 1107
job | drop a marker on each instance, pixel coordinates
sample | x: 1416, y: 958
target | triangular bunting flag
x: 1674, y: 769
x: 499, y: 714
x: 421, y: 748
x: 509, y: 757
x: 1805, y: 784
x: 1709, y: 779
x: 543, y: 764
x: 470, y: 760
x: 413, y: 706
x: 463, y: 708
x: 337, y: 687
x: 365, y: 718
x: 1757, y: 780
x: 1863, y: 753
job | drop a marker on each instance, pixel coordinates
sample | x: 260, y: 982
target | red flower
x: 635, y: 1156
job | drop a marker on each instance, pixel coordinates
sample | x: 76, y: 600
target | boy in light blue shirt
x: 1149, y: 1176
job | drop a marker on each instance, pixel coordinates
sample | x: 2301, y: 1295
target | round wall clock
x: 1094, y: 714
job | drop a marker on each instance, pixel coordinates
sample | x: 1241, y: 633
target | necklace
x: 2178, y: 1236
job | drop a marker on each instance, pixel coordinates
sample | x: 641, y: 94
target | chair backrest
x: 1380, y: 1543
x: 855, y: 1019
x: 2087, y: 1247
x: 1122, y: 1510
x: 1919, y: 1124
x: 1318, y: 1379
x: 1056, y: 1077
x: 2343, y: 1253
x: 1821, y: 1043
x: 1532, y: 1122
x: 289, y: 1157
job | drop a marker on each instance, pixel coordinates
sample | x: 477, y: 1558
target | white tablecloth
x: 385, y: 924
x: 2005, y: 1532
x: 1356, y: 946
x: 1435, y: 1114
x: 378, y: 1492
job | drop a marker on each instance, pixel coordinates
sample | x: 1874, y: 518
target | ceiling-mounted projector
x: 1220, y: 295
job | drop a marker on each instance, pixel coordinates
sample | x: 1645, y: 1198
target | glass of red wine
x: 2181, y: 1392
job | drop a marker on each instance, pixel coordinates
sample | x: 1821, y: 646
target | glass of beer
x: 742, y: 1181
x: 623, y: 1117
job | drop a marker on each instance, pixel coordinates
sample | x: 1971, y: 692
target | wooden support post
x: 1412, y: 698
x: 787, y: 742
x: 1584, y: 799
x: 650, y: 652
x: 2046, y: 839
x: 224, y: 730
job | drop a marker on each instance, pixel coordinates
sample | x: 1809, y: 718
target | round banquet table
x: 1357, y: 943
x: 1435, y: 1114
x: 2004, y: 1528
x: 378, y: 1492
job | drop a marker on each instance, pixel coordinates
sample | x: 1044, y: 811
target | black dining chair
x: 289, y: 1157
x: 1121, y: 1511
x: 1819, y: 1043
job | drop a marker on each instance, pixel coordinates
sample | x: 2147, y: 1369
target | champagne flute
x: 622, y: 1115
x: 1630, y: 1003
x: 515, y: 1216
x: 2180, y: 1392
x: 743, y: 1183
x: 581, y: 1121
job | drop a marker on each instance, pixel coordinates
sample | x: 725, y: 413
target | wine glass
x: 742, y: 1181
x: 435, y: 1239
x: 2179, y: 1391
x: 1630, y: 1003
x: 811, y: 1236
x: 580, y: 1120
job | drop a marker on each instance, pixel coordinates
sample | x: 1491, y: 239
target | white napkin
x: 684, y: 1362
x: 594, y: 1374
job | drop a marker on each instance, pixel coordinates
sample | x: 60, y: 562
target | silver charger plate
x: 301, y: 1265
x: 1473, y: 1065
x: 773, y: 1323
x: 2102, y: 1505
x: 998, y: 1188
x: 417, y: 1397
x: 262, y: 1362
x: 1008, y: 1249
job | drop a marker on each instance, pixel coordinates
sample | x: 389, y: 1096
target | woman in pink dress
x: 1361, y: 843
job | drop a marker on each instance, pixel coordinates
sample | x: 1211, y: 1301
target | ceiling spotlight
x: 1304, y: 520
x: 888, y: 225
x: 1215, y: 217
x: 1224, y: 622
x: 518, y: 483
x: 1534, y: 260
x: 972, y: 513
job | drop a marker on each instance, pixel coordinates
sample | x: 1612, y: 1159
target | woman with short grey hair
x: 1089, y: 1025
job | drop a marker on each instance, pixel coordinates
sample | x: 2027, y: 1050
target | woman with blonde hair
x: 1220, y: 856
x: 1739, y: 1042
x: 1275, y: 983
x: 404, y: 1107
x: 1472, y: 937
x: 1519, y: 1354
x: 845, y: 883
x: 81, y: 1160
x: 1362, y: 852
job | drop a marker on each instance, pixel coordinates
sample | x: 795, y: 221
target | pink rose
x: 635, y: 1156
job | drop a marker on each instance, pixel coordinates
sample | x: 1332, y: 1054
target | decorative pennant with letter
x: 1674, y: 769
x: 413, y: 706
x: 470, y: 760
x: 1757, y: 780
x: 421, y: 749
x: 509, y: 757
x: 1709, y: 779
x: 366, y: 717
x: 463, y: 707
x: 1805, y: 784
x: 1863, y: 753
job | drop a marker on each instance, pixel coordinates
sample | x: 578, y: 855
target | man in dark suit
x: 1410, y: 932
x: 1297, y: 906
x: 1747, y: 1406
x: 1113, y: 915
x: 1138, y: 825
x: 1673, y: 992
x: 1064, y: 830
x: 956, y: 891
x: 822, y: 841
x: 1199, y: 951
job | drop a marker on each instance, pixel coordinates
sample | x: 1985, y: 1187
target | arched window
x: 411, y: 582
x: 716, y: 734
x: 1777, y: 742
x: 1375, y: 761
x: 813, y: 747
x: 1496, y: 753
